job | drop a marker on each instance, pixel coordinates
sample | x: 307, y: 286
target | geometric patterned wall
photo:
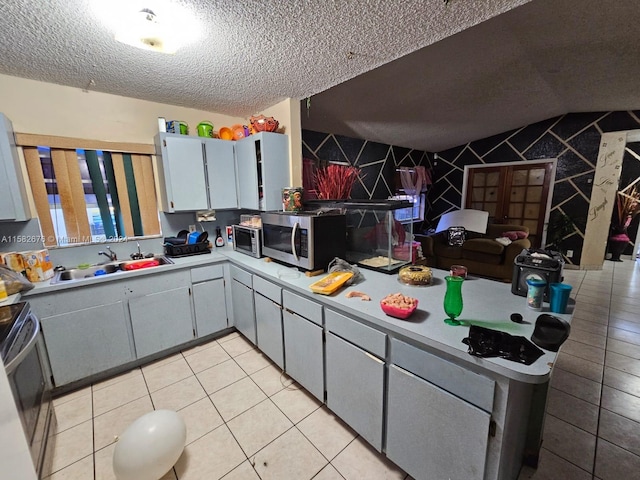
x: 377, y: 161
x: 573, y: 139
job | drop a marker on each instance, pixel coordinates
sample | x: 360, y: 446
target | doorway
x: 516, y: 193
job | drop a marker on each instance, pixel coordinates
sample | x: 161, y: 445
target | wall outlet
x: 570, y: 253
x: 192, y: 228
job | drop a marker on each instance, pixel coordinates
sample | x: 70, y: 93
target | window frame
x: 140, y: 178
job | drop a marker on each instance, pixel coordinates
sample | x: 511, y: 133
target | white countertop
x: 486, y: 303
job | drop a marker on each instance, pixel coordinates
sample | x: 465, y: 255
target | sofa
x: 487, y: 255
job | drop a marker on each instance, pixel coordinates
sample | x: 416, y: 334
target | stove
x: 26, y: 364
x: 12, y: 317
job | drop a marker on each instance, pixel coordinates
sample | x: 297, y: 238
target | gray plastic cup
x: 559, y: 297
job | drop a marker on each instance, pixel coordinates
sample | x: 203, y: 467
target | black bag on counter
x: 484, y: 342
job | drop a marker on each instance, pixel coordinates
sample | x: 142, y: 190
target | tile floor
x: 592, y: 426
x: 246, y: 420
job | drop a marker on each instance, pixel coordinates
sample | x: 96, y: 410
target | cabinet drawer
x: 303, y: 307
x: 241, y: 276
x: 355, y: 332
x: 267, y: 289
x: 475, y: 389
x: 73, y: 299
x: 209, y: 272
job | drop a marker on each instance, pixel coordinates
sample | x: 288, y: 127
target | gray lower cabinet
x: 209, y: 306
x: 244, y: 317
x: 269, y: 328
x: 432, y: 433
x: 209, y: 299
x: 85, y: 342
x: 161, y: 320
x: 304, y: 353
x: 355, y: 388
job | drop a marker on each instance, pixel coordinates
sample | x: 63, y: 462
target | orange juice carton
x: 13, y: 261
x: 38, y: 265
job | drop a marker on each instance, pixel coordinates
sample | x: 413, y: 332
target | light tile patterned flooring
x: 592, y: 426
x: 245, y: 420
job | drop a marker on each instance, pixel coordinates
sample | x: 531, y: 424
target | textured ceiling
x: 475, y: 70
x: 543, y: 59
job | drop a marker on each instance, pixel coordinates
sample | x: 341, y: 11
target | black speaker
x: 544, y: 265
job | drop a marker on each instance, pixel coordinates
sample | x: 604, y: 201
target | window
x: 91, y: 196
x: 411, y: 214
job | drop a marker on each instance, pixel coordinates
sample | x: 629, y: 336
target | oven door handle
x: 13, y: 364
x: 293, y: 241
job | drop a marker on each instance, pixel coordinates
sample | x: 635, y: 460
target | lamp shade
x: 471, y: 220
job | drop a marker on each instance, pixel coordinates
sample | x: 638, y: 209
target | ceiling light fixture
x: 157, y: 25
x: 144, y: 30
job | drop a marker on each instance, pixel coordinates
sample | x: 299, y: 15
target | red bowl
x: 396, y: 312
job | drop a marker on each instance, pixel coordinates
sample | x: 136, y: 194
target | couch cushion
x: 444, y: 250
x: 488, y: 258
x: 495, y: 230
x: 515, y: 234
x: 483, y: 245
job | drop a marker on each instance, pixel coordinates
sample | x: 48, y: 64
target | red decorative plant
x: 336, y: 181
x: 628, y: 206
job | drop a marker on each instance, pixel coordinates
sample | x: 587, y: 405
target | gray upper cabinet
x: 262, y: 165
x: 85, y: 342
x: 221, y: 173
x: 195, y: 173
x: 182, y: 173
x: 13, y: 199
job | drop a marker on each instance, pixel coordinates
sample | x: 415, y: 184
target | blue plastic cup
x: 559, y: 297
x: 535, y: 293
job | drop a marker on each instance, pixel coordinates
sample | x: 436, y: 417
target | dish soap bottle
x: 219, y: 240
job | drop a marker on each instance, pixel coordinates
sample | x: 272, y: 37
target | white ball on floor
x: 150, y: 446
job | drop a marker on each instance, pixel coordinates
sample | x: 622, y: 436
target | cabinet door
x: 184, y: 179
x: 432, y: 433
x: 355, y: 388
x: 269, y: 328
x: 247, y: 171
x: 273, y: 148
x: 221, y: 173
x: 86, y: 342
x: 12, y: 190
x: 262, y: 162
x: 210, y: 307
x: 303, y: 353
x: 244, y: 317
x: 161, y: 320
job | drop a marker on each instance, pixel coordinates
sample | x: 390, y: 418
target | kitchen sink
x: 116, y: 268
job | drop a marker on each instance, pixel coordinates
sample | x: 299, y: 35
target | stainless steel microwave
x: 303, y: 239
x: 247, y: 240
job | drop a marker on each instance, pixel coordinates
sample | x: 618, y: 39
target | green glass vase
x: 453, y: 299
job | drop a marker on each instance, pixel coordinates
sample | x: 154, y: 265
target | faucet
x: 111, y: 254
x: 138, y: 255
